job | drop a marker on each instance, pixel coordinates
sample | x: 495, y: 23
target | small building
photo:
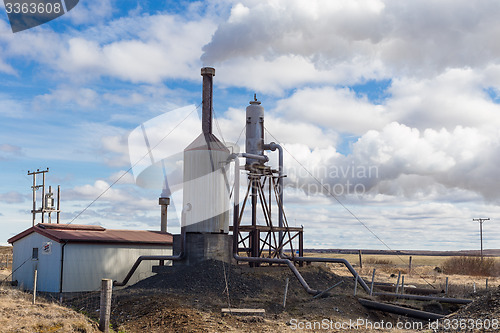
x: 74, y: 258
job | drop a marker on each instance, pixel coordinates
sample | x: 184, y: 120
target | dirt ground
x: 190, y: 299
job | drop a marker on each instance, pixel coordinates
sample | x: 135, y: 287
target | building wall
x: 48, y: 264
x: 86, y: 264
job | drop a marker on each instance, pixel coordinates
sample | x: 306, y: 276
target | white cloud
x: 454, y: 98
x: 164, y: 46
x: 91, y: 11
x: 83, y: 97
x: 12, y: 197
x: 337, y: 109
x: 352, y: 40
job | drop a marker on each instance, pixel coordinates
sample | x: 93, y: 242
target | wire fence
x: 6, y: 261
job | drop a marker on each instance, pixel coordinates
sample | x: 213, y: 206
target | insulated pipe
x: 235, y: 234
x: 337, y: 261
x: 426, y: 298
x: 255, y: 157
x: 272, y: 147
x: 400, y: 310
x: 180, y: 256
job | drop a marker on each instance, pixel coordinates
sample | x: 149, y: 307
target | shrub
x: 375, y: 261
x: 471, y: 266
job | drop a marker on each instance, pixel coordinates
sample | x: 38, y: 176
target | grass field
x: 398, y: 260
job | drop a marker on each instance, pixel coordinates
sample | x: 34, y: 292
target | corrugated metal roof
x: 73, y: 233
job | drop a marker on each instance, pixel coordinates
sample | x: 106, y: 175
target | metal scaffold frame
x: 269, y: 240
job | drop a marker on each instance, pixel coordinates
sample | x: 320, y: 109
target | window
x: 34, y: 256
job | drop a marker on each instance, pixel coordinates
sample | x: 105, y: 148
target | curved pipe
x: 179, y: 256
x: 263, y: 158
x: 272, y: 147
x: 235, y: 234
x: 337, y: 261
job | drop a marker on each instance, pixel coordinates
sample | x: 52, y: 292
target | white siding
x: 48, y: 264
x: 205, y: 189
x: 86, y: 264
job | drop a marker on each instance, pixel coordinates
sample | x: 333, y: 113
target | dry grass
x: 474, y: 266
x: 18, y: 314
x: 378, y: 261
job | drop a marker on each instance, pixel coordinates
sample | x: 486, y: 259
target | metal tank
x: 254, y: 132
x: 206, y: 192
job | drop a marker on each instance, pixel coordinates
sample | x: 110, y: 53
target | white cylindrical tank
x: 254, y: 131
x: 205, y: 190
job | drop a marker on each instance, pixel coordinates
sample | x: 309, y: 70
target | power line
x: 137, y: 162
x: 342, y: 204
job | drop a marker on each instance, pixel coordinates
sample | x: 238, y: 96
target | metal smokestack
x: 206, y: 120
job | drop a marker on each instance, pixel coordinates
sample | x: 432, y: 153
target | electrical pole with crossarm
x: 481, y: 220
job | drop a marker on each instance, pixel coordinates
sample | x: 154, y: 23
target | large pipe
x: 206, y: 120
x: 426, y: 298
x: 177, y: 257
x: 287, y: 262
x: 336, y: 261
x: 272, y: 147
x: 400, y: 310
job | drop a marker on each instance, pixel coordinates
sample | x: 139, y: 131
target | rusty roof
x: 74, y: 233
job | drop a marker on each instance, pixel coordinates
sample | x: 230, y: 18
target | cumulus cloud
x: 404, y: 162
x: 166, y: 46
x: 337, y: 109
x: 382, y: 38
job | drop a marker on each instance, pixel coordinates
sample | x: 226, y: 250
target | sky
x: 388, y: 112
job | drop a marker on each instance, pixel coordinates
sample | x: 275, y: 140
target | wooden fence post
x: 397, y: 283
x: 34, y: 285
x: 446, y: 287
x: 286, y: 292
x: 106, y: 292
x: 356, y: 284
x: 409, y: 268
x: 373, y: 281
x: 360, y: 260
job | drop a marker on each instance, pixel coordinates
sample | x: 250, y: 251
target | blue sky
x: 405, y: 90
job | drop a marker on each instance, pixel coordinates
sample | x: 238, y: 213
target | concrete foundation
x: 200, y: 247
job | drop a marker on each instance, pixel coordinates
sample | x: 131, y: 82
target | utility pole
x: 481, y: 220
x: 47, y: 206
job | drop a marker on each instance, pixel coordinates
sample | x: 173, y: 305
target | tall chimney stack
x: 206, y: 120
